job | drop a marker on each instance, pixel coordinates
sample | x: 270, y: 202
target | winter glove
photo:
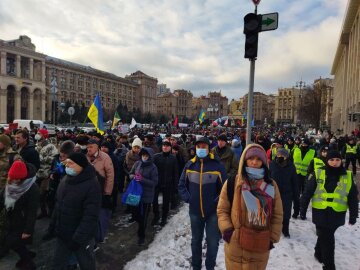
x: 106, y: 202
x: 227, y: 235
x: 271, y: 245
x: 74, y: 246
x: 138, y: 177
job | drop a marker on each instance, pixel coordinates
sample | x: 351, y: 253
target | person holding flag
x: 95, y: 114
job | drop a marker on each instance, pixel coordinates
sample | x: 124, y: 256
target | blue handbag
x: 132, y: 195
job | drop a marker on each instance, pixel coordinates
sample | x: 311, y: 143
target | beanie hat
x: 137, y: 142
x: 256, y: 151
x: 5, y: 140
x: 18, y: 170
x: 44, y: 133
x: 333, y: 154
x: 106, y: 144
x: 80, y: 159
x: 93, y: 141
x: 67, y: 147
x: 282, y: 152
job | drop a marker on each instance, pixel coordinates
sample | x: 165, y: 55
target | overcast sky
x: 196, y: 45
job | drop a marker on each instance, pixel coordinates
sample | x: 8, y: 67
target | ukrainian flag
x: 96, y: 116
x: 201, y: 116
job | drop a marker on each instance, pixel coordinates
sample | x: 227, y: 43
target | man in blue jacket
x: 200, y: 185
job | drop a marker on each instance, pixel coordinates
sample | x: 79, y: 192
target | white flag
x: 133, y: 123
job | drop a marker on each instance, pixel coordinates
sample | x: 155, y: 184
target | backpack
x: 230, y: 189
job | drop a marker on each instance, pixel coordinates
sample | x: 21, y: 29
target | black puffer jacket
x: 285, y: 178
x: 77, y: 207
x: 167, y: 166
x: 328, y: 217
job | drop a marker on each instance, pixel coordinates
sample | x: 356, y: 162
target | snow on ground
x: 171, y: 247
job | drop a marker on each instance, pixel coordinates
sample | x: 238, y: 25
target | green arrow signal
x: 268, y: 21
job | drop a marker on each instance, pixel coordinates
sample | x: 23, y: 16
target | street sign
x: 256, y: 2
x: 269, y: 21
x: 53, y: 86
x: 71, y: 111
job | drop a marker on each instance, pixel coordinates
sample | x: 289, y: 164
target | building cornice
x: 21, y: 51
x: 351, y: 12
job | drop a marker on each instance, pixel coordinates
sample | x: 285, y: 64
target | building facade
x: 22, y: 81
x: 26, y: 80
x: 325, y: 89
x: 147, y: 91
x: 263, y: 107
x: 167, y: 105
x: 162, y: 88
x: 346, y: 68
x: 214, y: 104
x: 184, y: 98
x: 286, y: 107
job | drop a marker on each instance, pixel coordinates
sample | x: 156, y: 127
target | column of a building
x: 3, y: 63
x: 3, y: 105
x: 43, y: 104
x: 31, y: 69
x: 43, y: 76
x: 18, y: 66
x: 17, y: 104
x: 31, y: 105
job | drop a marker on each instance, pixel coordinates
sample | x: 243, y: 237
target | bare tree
x: 310, y: 106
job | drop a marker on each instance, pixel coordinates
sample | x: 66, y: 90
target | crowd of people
x: 244, y: 194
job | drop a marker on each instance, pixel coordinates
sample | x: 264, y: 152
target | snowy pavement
x: 171, y: 247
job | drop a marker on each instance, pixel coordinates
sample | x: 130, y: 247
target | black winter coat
x: 30, y: 155
x: 328, y: 217
x: 285, y: 178
x: 21, y: 219
x: 78, y: 202
x: 168, y: 171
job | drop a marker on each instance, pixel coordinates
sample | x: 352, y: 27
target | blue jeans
x: 210, y: 224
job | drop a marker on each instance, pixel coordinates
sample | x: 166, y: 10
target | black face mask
x: 280, y: 160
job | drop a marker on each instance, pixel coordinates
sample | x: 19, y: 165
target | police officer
x: 349, y: 151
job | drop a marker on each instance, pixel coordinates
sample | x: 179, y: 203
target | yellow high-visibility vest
x: 351, y: 150
x: 302, y: 165
x: 339, y: 198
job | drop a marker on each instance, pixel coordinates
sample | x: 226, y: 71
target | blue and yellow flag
x: 96, y: 116
x: 201, y: 116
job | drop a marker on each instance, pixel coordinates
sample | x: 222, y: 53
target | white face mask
x: 37, y: 137
x: 144, y: 158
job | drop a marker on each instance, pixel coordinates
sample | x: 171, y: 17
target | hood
x: 149, y: 151
x: 242, y: 159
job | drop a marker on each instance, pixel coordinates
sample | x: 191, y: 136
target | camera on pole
x: 252, y: 27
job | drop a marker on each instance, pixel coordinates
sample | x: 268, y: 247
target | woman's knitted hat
x: 18, y: 171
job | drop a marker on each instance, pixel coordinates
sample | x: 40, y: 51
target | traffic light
x: 354, y: 117
x: 349, y: 116
x: 252, y: 27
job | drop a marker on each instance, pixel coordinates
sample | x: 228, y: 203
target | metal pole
x: 250, y: 101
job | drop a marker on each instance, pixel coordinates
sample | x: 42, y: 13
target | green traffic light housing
x: 252, y: 27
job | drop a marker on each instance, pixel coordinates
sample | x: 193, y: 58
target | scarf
x: 13, y: 192
x: 258, y: 197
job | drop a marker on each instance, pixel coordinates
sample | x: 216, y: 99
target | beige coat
x: 104, y: 166
x: 235, y: 257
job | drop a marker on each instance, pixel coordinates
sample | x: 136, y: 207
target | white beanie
x: 137, y: 142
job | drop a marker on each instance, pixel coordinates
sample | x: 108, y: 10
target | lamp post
x: 300, y: 85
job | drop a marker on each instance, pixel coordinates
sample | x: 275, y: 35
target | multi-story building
x: 345, y: 68
x: 161, y: 89
x: 175, y: 104
x: 147, y: 91
x: 325, y: 89
x: 287, y: 104
x: 26, y: 77
x: 263, y: 107
x: 214, y: 104
x: 23, y: 93
x: 80, y: 84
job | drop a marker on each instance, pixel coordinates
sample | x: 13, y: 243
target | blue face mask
x: 201, y: 153
x: 70, y: 171
x: 255, y: 173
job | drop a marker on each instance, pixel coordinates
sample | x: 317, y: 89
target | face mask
x: 70, y: 171
x: 201, y: 153
x: 255, y: 173
x: 82, y: 147
x: 37, y: 137
x: 144, y: 158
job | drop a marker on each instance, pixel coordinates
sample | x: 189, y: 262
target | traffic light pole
x: 250, y: 97
x: 250, y: 101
